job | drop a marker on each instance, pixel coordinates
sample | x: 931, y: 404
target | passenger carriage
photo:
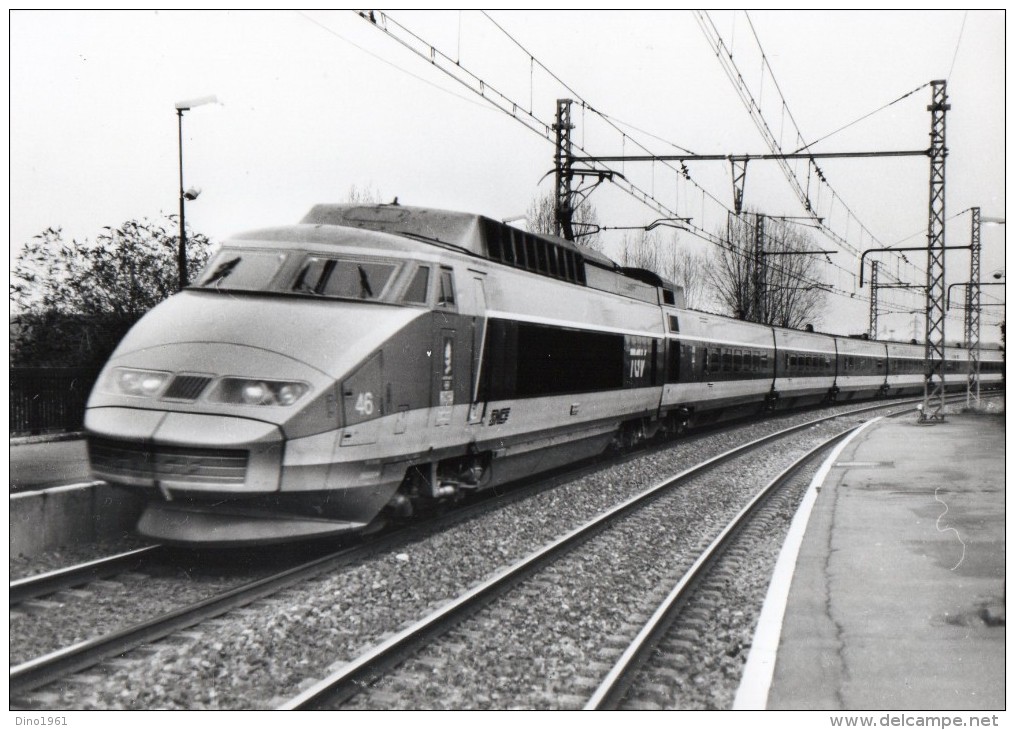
x: 861, y: 368
x: 805, y: 367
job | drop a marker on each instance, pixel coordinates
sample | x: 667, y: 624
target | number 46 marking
x: 365, y: 404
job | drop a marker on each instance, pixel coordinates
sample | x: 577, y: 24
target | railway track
x: 37, y: 586
x: 480, y: 605
x: 39, y: 672
x: 53, y: 666
x: 649, y: 649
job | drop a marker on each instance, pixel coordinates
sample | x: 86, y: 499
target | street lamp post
x: 181, y: 256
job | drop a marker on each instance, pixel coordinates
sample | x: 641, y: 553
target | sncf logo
x: 499, y: 416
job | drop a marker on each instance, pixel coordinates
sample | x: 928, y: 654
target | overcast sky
x: 317, y: 102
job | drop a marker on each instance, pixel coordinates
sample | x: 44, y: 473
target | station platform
x: 894, y: 596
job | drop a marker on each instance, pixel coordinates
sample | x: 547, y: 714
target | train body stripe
x: 590, y: 326
x: 731, y: 343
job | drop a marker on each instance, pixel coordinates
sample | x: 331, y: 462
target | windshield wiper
x: 301, y: 286
x: 364, y: 283
x: 224, y: 269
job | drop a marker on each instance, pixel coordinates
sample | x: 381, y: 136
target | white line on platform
x: 760, y: 668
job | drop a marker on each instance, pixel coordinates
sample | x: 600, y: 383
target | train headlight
x: 253, y: 392
x: 143, y: 383
x: 289, y: 393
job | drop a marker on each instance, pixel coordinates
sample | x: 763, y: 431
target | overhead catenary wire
x: 958, y: 43
x: 714, y: 37
x: 834, y: 195
x: 624, y: 135
x: 860, y: 119
x: 646, y: 198
x: 529, y: 119
x: 389, y: 63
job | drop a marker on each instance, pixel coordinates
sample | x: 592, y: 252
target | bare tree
x: 672, y: 261
x: 690, y: 272
x: 788, y: 292
x: 641, y: 250
x: 367, y: 195
x: 541, y: 219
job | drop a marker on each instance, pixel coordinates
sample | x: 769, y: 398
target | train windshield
x: 345, y: 278
x: 242, y: 269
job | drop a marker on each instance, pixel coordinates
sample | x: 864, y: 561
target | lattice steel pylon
x: 934, y: 350
x: 973, y: 313
x: 563, y: 209
x: 872, y: 326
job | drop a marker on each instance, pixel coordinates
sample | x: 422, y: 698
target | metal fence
x: 49, y: 399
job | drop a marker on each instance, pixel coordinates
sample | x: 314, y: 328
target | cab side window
x: 415, y: 293
x: 446, y: 295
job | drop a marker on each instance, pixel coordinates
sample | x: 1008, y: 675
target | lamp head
x: 191, y: 103
x: 192, y: 193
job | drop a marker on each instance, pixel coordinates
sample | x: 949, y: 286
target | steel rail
x: 617, y: 681
x: 358, y: 673
x: 58, y: 664
x: 36, y: 586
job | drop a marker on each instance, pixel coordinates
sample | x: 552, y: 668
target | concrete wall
x: 64, y: 516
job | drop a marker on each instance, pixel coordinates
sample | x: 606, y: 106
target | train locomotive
x: 319, y: 377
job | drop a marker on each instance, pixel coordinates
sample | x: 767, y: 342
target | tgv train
x: 319, y: 377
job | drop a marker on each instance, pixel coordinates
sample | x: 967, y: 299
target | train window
x: 537, y: 261
x: 727, y: 360
x: 242, y: 269
x: 343, y: 278
x: 554, y: 261
x: 764, y: 361
x: 446, y: 297
x: 555, y: 360
x: 415, y: 293
x: 509, y: 250
x: 532, y: 262
x: 791, y: 362
x: 674, y: 323
x: 756, y: 361
x: 493, y: 243
x: 738, y: 360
